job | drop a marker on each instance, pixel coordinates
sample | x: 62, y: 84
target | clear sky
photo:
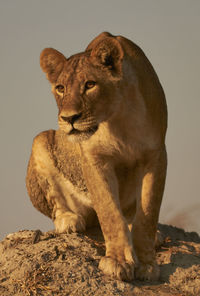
x: 169, y: 34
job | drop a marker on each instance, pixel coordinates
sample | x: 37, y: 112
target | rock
x: 36, y: 263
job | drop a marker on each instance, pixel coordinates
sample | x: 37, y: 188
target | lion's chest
x: 69, y: 164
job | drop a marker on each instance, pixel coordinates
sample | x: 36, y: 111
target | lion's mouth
x: 90, y: 131
x: 78, y: 132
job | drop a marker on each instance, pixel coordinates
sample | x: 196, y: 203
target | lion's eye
x: 60, y: 88
x: 90, y: 84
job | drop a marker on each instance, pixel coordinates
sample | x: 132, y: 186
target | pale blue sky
x: 167, y: 31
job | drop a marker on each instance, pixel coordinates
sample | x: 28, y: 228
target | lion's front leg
x: 146, y: 219
x: 119, y: 260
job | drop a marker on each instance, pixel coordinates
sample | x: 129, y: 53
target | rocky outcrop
x: 36, y: 263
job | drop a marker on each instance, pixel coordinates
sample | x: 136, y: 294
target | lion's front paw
x: 69, y: 222
x: 123, y: 270
x: 147, y: 272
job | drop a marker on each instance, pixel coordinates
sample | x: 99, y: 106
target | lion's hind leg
x: 146, y: 219
x: 37, y: 192
x: 47, y: 187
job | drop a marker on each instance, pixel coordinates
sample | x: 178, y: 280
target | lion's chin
x: 76, y: 135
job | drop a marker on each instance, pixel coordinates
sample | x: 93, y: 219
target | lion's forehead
x: 78, y: 68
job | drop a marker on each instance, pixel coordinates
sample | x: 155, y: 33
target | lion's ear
x: 109, y: 53
x: 52, y: 62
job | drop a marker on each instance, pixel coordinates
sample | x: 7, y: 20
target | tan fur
x: 108, y: 157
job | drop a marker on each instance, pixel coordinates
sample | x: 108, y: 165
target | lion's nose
x: 71, y: 119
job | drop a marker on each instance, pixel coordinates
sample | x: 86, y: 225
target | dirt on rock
x: 36, y: 263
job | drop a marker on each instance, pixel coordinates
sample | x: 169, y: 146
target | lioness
x: 108, y: 157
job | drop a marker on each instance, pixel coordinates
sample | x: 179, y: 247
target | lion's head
x: 86, y: 85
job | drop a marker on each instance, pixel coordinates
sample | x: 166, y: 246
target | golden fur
x: 108, y: 157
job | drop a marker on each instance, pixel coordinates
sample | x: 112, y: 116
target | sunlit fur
x: 108, y: 157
